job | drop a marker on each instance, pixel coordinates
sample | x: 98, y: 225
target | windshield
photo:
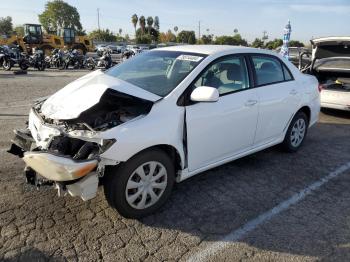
x: 158, y: 72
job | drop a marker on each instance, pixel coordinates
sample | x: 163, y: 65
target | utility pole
x: 199, y: 29
x: 98, y: 18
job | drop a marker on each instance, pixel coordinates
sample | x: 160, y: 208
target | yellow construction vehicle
x: 34, y: 38
x: 73, y: 41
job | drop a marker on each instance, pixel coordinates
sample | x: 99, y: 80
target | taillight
x: 320, y: 87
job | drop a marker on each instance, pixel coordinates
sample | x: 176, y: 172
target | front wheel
x: 296, y: 132
x: 6, y: 64
x: 141, y: 185
x: 23, y: 65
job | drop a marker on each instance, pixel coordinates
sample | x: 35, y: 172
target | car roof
x: 213, y: 49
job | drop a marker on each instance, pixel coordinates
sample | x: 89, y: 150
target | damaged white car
x: 162, y: 117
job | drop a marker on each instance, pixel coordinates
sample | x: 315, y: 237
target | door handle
x: 293, y: 92
x: 251, y: 102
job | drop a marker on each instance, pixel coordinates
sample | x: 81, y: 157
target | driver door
x: 222, y: 129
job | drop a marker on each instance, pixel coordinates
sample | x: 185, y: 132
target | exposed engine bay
x: 113, y: 109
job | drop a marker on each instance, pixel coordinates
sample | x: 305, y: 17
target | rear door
x: 279, y: 97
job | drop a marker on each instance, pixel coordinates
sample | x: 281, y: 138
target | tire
x: 23, y: 65
x: 6, y: 64
x: 61, y: 65
x: 296, y: 132
x: 90, y: 66
x: 41, y: 66
x: 117, y: 178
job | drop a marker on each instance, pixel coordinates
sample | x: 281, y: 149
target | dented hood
x: 85, y: 92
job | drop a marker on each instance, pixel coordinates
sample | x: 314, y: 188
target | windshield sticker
x: 191, y: 58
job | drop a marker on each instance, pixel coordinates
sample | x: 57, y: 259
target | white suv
x: 162, y: 117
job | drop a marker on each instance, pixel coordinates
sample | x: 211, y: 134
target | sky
x: 309, y: 18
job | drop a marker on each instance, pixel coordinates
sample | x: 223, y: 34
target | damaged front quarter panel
x: 68, y: 151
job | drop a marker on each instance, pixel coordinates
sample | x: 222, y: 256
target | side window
x: 268, y: 70
x: 287, y: 74
x: 227, y: 75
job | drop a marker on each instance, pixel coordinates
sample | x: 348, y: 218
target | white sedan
x: 162, y: 117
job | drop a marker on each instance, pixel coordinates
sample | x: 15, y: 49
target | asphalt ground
x: 264, y: 207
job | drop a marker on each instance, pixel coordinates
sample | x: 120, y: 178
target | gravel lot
x: 39, y: 226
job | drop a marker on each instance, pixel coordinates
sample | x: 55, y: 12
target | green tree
x: 295, y: 43
x: 58, y: 14
x: 156, y: 23
x: 152, y: 33
x: 257, y: 43
x: 206, y: 39
x: 19, y: 30
x: 6, y: 25
x: 143, y: 39
x: 142, y: 23
x: 134, y: 20
x: 272, y: 45
x: 149, y: 23
x: 231, y: 40
x: 103, y: 35
x: 188, y: 37
x: 120, y: 31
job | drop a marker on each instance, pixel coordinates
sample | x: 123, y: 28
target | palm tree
x: 175, y: 29
x: 134, y: 20
x: 142, y: 22
x: 149, y: 24
x: 156, y: 23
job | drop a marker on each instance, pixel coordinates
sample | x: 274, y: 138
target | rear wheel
x: 296, y: 132
x: 141, y: 185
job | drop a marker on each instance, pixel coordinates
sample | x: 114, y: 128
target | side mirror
x: 205, y: 94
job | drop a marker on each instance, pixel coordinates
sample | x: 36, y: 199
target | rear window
x: 268, y: 70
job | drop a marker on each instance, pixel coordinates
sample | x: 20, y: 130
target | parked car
x: 115, y: 49
x: 299, y: 56
x: 99, y: 47
x: 134, y: 48
x: 331, y: 65
x: 162, y: 117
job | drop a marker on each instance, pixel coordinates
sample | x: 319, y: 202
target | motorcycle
x: 37, y: 60
x: 89, y: 63
x: 127, y: 54
x: 6, y: 59
x: 55, y: 60
x: 105, y: 61
x: 73, y: 58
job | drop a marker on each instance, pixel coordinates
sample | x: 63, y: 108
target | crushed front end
x: 53, y: 157
x: 67, y: 153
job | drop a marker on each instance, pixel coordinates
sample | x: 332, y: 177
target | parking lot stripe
x: 236, y: 235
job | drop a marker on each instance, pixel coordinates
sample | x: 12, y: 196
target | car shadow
x: 336, y: 113
x: 222, y: 200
